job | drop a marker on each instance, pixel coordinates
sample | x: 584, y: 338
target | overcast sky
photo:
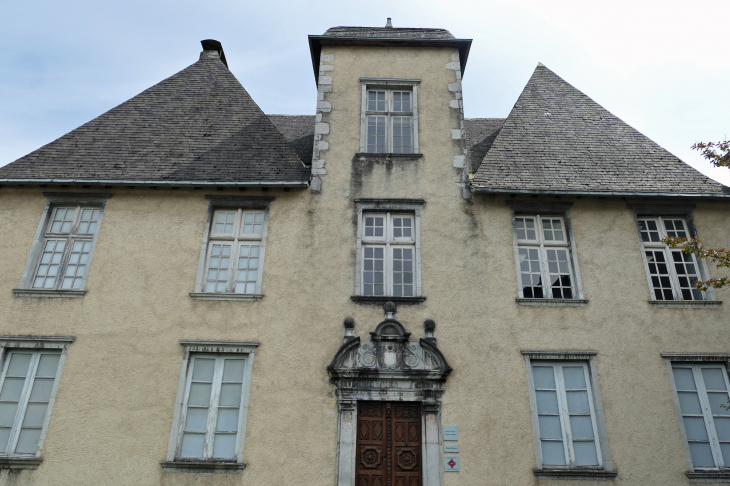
x: 661, y: 66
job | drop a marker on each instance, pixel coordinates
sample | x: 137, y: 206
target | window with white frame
x: 544, y: 257
x: 390, y: 116
x: 567, y: 417
x: 388, y: 254
x: 212, y: 405
x: 30, y: 374
x: 701, y: 390
x: 234, y: 251
x: 61, y: 253
x: 671, y: 273
x: 565, y: 414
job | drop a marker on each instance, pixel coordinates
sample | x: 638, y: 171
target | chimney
x: 210, y: 46
x: 388, y: 24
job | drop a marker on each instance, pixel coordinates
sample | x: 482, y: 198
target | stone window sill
x: 220, y: 296
x: 203, y: 467
x: 553, y: 302
x: 686, y: 304
x: 581, y: 474
x: 377, y: 299
x: 388, y: 157
x: 49, y: 293
x: 716, y: 476
x: 20, y: 462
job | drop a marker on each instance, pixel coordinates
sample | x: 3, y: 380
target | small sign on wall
x: 451, y: 432
x: 451, y: 447
x: 451, y: 463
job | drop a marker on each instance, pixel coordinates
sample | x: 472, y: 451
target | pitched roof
x: 389, y: 32
x: 480, y: 134
x: 298, y: 130
x: 558, y: 140
x: 197, y: 125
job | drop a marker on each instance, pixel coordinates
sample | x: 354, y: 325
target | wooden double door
x: 388, y: 444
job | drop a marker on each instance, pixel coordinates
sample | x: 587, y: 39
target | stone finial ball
x: 429, y: 325
x: 389, y: 307
x: 349, y: 323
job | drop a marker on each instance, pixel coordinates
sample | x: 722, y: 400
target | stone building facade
x: 430, y: 300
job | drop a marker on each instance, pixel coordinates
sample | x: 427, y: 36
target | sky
x: 661, y: 66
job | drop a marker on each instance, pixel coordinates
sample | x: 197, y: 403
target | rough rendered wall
x: 112, y: 416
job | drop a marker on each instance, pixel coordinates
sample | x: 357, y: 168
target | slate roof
x: 298, y: 130
x: 389, y: 32
x: 480, y: 134
x: 558, y: 140
x: 197, y: 125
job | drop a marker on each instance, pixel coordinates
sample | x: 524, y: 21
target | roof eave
x: 551, y: 192
x: 141, y: 182
x: 317, y: 41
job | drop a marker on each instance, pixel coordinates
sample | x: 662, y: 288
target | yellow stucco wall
x: 113, y: 412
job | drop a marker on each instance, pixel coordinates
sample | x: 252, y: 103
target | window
x: 61, y: 254
x: 544, y: 258
x: 31, y: 369
x: 566, y: 412
x: 390, y: 116
x: 388, y: 249
x: 209, y: 426
x: 234, y: 251
x: 701, y: 390
x: 671, y: 274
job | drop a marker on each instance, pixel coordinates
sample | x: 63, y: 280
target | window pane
x: 227, y: 420
x: 717, y: 400
x: 196, y: 420
x: 35, y: 414
x: 689, y: 403
x: 200, y: 394
x: 19, y: 363
x: 553, y: 453
x: 374, y: 226
x: 530, y: 272
x: 402, y: 135
x: 203, y: 370
x: 585, y: 453
x: 684, y: 266
x: 253, y: 223
x: 578, y: 402
x: 218, y: 264
x: 659, y: 272
x: 558, y: 269
x: 695, y: 428
x: 11, y: 389
x: 41, y: 390
x: 192, y: 445
x: 7, y: 414
x: 376, y: 134
x: 89, y: 221
x: 714, y: 379
x: 4, y: 436
x: 722, y: 426
x: 552, y: 229
x: 48, y: 365
x: 233, y: 370
x: 28, y: 441
x: 649, y: 231
x: 373, y: 272
x: 50, y: 264
x: 550, y: 427
x: 76, y: 267
x: 574, y: 377
x: 224, y: 446
x: 725, y: 449
x: 247, y: 273
x: 224, y: 221
x: 675, y: 228
x: 62, y: 220
x: 230, y: 394
x: 547, y: 402
x: 683, y: 379
x: 701, y: 454
x: 403, y: 272
x: 581, y: 427
x: 543, y: 377
x: 376, y: 101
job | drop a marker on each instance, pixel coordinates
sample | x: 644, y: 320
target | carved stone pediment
x: 391, y: 353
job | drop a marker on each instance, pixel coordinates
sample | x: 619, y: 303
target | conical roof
x: 197, y: 125
x: 558, y: 140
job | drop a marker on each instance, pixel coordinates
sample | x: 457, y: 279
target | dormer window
x: 390, y: 116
